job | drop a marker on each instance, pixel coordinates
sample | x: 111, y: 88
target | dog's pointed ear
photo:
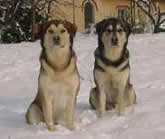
x: 126, y: 26
x: 100, y: 26
x: 72, y: 28
x: 41, y: 29
x: 38, y: 31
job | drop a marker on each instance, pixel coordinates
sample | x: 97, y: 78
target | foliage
x: 11, y: 34
x: 19, y: 18
x: 20, y: 29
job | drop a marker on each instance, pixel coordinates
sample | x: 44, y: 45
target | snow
x: 19, y: 69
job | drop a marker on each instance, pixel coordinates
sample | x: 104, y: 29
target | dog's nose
x: 56, y: 39
x: 114, y: 40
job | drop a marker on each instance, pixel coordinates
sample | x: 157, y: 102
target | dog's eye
x: 63, y: 30
x: 51, y: 31
x: 109, y: 30
x: 119, y: 30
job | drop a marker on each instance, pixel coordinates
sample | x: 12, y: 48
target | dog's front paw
x: 101, y: 114
x: 70, y: 126
x: 120, y: 111
x: 51, y: 127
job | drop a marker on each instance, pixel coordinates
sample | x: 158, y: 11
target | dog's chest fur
x: 60, y: 87
x: 111, y: 76
x: 112, y: 80
x: 58, y: 82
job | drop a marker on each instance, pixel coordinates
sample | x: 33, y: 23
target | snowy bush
x: 11, y: 34
x: 20, y: 29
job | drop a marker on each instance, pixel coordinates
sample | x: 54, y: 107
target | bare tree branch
x: 162, y: 21
x: 147, y: 10
x: 10, y: 11
x: 152, y: 11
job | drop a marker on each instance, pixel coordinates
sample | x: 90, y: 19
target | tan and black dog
x: 112, y: 70
x: 59, y: 80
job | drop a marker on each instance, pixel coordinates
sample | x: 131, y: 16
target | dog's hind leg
x: 93, y: 101
x: 131, y: 95
x: 34, y: 115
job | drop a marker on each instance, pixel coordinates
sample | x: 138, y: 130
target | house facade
x: 87, y: 12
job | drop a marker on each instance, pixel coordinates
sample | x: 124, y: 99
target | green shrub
x: 11, y: 35
x: 20, y: 29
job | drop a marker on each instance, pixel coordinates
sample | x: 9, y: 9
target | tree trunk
x: 156, y: 28
x: 33, y: 21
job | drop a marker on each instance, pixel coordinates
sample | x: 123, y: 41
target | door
x: 88, y: 14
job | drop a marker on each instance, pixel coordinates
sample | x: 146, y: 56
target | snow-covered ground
x: 19, y: 68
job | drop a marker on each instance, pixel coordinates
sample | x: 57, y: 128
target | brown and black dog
x: 112, y: 71
x: 59, y: 80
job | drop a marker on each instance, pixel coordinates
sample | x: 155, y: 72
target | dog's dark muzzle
x: 114, y: 41
x: 56, y: 40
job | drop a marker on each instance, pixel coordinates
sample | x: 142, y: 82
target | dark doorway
x: 88, y: 14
